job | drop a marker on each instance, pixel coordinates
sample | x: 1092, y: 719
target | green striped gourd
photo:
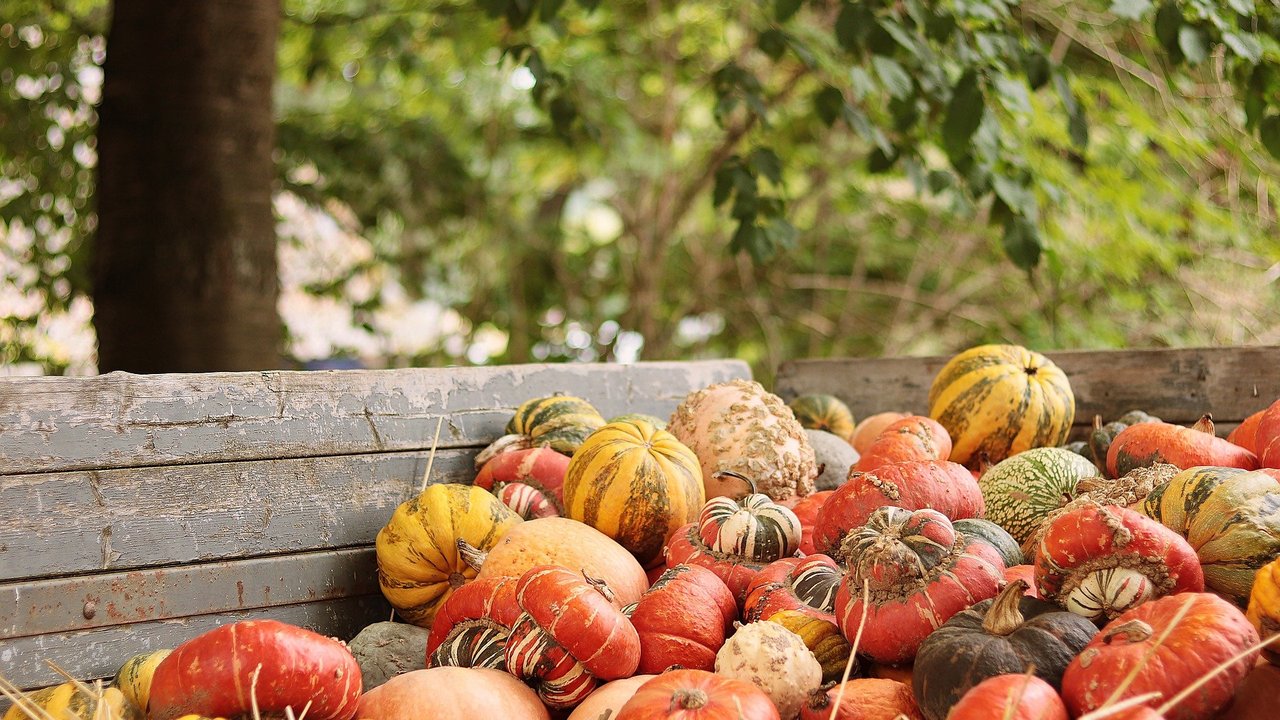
x: 658, y: 423
x: 1020, y: 491
x: 993, y: 535
x: 134, y: 676
x: 755, y: 528
x: 560, y: 422
x: 824, y: 412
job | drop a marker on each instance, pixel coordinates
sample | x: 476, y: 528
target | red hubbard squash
x: 1246, y: 433
x: 919, y: 572
x: 1146, y: 444
x: 1100, y: 560
x: 914, y: 437
x: 862, y: 699
x: 215, y: 674
x: 683, y: 619
x: 452, y: 693
x: 609, y: 698
x: 568, y: 636
x: 807, y: 511
x: 1210, y: 632
x: 1267, y: 440
x: 807, y: 585
x: 870, y: 428
x: 472, y: 626
x: 1010, y: 697
x: 698, y: 695
x: 939, y: 485
x: 528, y: 481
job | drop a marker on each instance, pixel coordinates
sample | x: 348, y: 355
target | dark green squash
x: 1007, y: 634
x: 824, y: 412
x: 1100, y: 439
x: 993, y: 535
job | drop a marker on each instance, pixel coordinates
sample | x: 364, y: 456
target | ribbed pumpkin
x: 823, y: 639
x: 66, y: 701
x: 912, y: 438
x: 418, y: 560
x: 134, y: 676
x: 1264, y: 607
x: 1246, y: 433
x: 697, y: 695
x: 806, y: 585
x: 993, y: 535
x: 632, y: 417
x: 528, y: 481
x: 755, y: 528
x: 560, y: 422
x: 636, y: 484
x: 1146, y: 444
x: 1266, y: 439
x: 1010, y: 697
x: 683, y: 619
x: 472, y: 626
x: 1230, y: 517
x: 1021, y: 491
x: 1000, y: 400
x: 824, y: 412
x: 870, y: 428
x: 807, y: 511
x: 685, y: 547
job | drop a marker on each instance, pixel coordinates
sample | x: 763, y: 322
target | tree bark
x: 184, y: 264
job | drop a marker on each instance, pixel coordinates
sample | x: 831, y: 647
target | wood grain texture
x: 83, y: 602
x: 54, y: 524
x: 93, y: 654
x: 121, y: 420
x: 1177, y: 385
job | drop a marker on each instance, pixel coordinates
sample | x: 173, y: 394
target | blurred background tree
x: 514, y: 181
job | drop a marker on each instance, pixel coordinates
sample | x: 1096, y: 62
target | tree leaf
x: 1194, y: 44
x: 940, y: 181
x: 723, y: 187
x: 1244, y: 45
x: 1013, y: 94
x: 964, y: 114
x: 850, y: 27
x: 895, y: 78
x: 861, y: 83
x: 1022, y: 242
x: 784, y: 10
x: 772, y: 43
x: 828, y: 103
x: 781, y: 233
x: 1130, y: 9
x: 1167, y: 24
x: 880, y: 161
x: 766, y: 162
x: 549, y: 9
x: 1269, y: 132
x: 802, y: 51
x: 1038, y: 69
x: 1077, y: 124
x: 1017, y: 196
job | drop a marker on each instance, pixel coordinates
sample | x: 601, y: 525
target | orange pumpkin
x: 609, y: 698
x: 452, y: 693
x: 807, y: 511
x: 1010, y: 697
x: 870, y: 428
x: 914, y: 437
x: 1267, y: 440
x: 698, y: 695
x: 1146, y: 444
x: 862, y: 699
x: 1246, y: 433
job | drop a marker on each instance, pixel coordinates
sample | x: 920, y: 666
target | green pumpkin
x: 134, y: 677
x: 993, y: 535
x: 560, y: 422
x: 1100, y: 439
x: 1021, y: 490
x: 658, y: 423
x: 824, y: 412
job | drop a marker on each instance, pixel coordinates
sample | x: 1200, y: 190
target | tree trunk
x: 185, y: 255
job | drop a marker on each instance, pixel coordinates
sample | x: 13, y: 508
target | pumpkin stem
x: 691, y: 699
x: 1004, y: 616
x: 1097, y: 422
x: 819, y: 699
x: 1134, y: 631
x: 600, y: 586
x: 471, y: 555
x: 750, y: 483
x: 1204, y: 424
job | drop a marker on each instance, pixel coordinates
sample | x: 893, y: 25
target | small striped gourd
x: 419, y: 565
x: 1022, y: 490
x: 560, y: 422
x: 993, y: 535
x: 755, y: 528
x: 67, y: 701
x: 824, y: 412
x: 823, y: 639
x: 635, y: 483
x: 134, y: 676
x: 1230, y: 516
x: 999, y: 400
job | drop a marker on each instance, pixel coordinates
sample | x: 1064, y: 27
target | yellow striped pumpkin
x: 636, y: 484
x: 999, y: 400
x: 560, y: 422
x: 824, y: 412
x: 418, y: 561
x: 134, y: 676
x: 66, y: 701
x: 823, y: 639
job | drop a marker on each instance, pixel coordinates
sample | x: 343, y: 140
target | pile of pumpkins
x: 753, y: 560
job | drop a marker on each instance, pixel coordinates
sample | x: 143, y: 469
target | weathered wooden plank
x: 92, y: 654
x: 122, y: 420
x: 84, y: 602
x: 1178, y: 385
x: 55, y: 524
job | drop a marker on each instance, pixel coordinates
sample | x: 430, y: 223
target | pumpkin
x: 1102, y: 436
x: 1008, y: 634
x: 1000, y: 400
x: 528, y: 481
x: 67, y: 701
x: 1264, y: 607
x: 568, y: 543
x: 1210, y: 631
x: 807, y: 511
x: 939, y: 485
x: 1010, y: 697
x: 472, y: 626
x: 737, y: 426
x: 870, y: 428
x: 418, y: 560
x: 605, y: 701
x: 1025, y: 573
x: 919, y: 572
x: 222, y: 672
x: 755, y: 528
x: 634, y: 483
x: 134, y: 676
x: 683, y: 619
x: 823, y: 639
x: 1021, y: 491
x: 824, y: 412
x: 912, y: 438
x: 560, y: 422
x: 452, y: 693
x: 993, y: 535
x: 773, y: 659
x: 1246, y: 433
x: 685, y: 547
x: 862, y: 699
x: 1230, y: 517
x: 698, y: 695
x: 569, y: 636
x: 807, y: 585
x: 1145, y: 444
x: 387, y: 649
x: 1266, y: 439
x: 834, y: 457
x: 1099, y: 561
x: 657, y: 422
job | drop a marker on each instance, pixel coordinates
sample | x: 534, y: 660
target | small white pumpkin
x: 774, y: 659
